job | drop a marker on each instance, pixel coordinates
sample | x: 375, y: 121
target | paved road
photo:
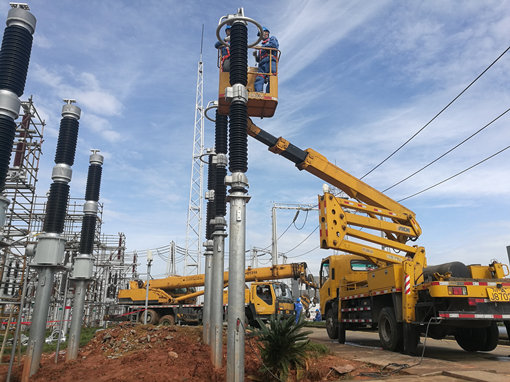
x: 443, y: 358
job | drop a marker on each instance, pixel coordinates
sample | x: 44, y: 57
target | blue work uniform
x: 318, y: 317
x: 264, y: 58
x: 298, y: 307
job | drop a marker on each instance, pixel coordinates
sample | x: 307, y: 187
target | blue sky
x: 357, y: 79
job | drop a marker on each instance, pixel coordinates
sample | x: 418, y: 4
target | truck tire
x: 167, y: 320
x: 331, y: 324
x: 471, y: 339
x: 152, y: 317
x: 491, y: 338
x: 411, y: 339
x: 390, y: 332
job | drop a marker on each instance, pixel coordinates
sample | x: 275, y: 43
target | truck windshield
x: 282, y: 290
x: 324, y: 274
x: 362, y: 265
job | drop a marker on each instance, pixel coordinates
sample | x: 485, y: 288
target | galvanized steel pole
x: 217, y: 286
x: 236, y: 279
x: 80, y: 287
x: 206, y: 315
x: 149, y: 263
x: 274, y: 246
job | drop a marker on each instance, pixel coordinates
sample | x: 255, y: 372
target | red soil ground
x: 131, y: 352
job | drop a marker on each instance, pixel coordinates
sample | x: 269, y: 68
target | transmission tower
x: 194, y: 221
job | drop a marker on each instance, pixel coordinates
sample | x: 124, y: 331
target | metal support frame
x: 194, y: 219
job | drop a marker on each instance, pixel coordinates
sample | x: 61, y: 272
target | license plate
x: 499, y: 294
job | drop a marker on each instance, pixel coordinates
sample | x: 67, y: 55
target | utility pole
x: 149, y: 263
x: 274, y: 241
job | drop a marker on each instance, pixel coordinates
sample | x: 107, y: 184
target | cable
x: 306, y: 253
x: 305, y: 239
x: 453, y: 176
x: 279, y: 237
x: 401, y: 366
x: 449, y: 151
x: 437, y: 115
x: 306, y: 218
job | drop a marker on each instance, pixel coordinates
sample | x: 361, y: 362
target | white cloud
x: 101, y: 126
x: 313, y: 28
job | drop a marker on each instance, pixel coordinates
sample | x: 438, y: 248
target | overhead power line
x: 279, y: 237
x: 305, y: 239
x: 437, y: 115
x: 453, y: 176
x: 449, y: 151
x: 305, y: 253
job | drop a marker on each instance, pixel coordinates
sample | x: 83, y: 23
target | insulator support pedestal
x: 50, y: 250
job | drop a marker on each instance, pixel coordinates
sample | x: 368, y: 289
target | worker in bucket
x: 298, y: 307
x: 225, y: 50
x: 266, y: 59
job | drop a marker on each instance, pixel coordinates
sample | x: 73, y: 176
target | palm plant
x: 283, y: 345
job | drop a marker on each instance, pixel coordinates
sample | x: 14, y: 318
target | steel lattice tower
x: 194, y: 221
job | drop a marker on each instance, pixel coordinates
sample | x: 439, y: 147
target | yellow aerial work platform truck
x: 381, y: 282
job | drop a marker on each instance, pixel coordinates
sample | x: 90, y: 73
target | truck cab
x: 263, y: 299
x: 339, y: 274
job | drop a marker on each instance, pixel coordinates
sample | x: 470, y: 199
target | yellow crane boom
x: 175, y: 289
x: 381, y: 213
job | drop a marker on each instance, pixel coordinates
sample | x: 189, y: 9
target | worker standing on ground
x: 266, y: 59
x: 298, y: 307
x: 318, y: 316
x: 225, y: 50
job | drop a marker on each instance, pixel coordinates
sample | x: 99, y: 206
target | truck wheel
x: 331, y: 324
x: 341, y: 333
x: 167, y: 320
x: 411, y: 338
x: 152, y: 317
x: 492, y: 337
x: 471, y: 339
x: 390, y: 332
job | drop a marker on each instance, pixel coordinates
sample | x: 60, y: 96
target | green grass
x: 315, y: 324
x: 86, y: 336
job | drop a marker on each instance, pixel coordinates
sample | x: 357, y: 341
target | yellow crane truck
x: 174, y: 298
x: 383, y: 283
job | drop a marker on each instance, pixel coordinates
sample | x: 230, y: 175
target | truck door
x: 264, y: 299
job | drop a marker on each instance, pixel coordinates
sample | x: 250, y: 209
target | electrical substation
x: 61, y: 273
